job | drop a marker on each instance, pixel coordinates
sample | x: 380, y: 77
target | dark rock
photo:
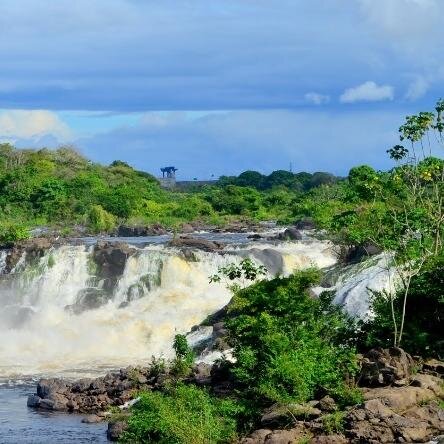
x: 254, y: 236
x: 306, y: 223
x: 270, y: 258
x: 110, y: 259
x: 358, y: 253
x: 33, y: 401
x: 202, y: 374
x: 139, y: 230
x: 199, y: 244
x: 48, y: 387
x: 381, y: 367
x: 115, y: 430
x: 33, y: 248
x: 434, y: 367
x: 291, y: 233
x: 89, y: 299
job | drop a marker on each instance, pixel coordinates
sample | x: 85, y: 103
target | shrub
x: 100, y: 220
x: 10, y: 233
x: 424, y: 318
x: 181, y: 365
x: 288, y: 345
x: 184, y: 414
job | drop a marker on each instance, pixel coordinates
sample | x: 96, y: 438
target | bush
x: 10, y: 233
x: 184, y: 414
x: 424, y: 321
x: 100, y: 220
x: 288, y: 345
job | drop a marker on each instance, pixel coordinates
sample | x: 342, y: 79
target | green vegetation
x: 62, y: 189
x: 291, y: 347
x: 183, y: 414
x: 288, y: 345
x: 424, y: 319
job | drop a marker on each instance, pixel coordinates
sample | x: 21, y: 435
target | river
x: 48, y: 326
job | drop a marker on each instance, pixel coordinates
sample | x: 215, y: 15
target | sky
x: 216, y: 87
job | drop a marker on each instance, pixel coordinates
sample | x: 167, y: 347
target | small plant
x: 245, y: 272
x: 157, y: 366
x: 181, y: 365
x: 51, y: 261
x: 334, y: 422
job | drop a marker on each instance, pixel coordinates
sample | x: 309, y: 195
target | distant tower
x: 168, y: 179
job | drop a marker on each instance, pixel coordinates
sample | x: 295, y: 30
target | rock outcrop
x: 381, y: 367
x: 140, y: 230
x: 110, y: 258
x: 196, y: 243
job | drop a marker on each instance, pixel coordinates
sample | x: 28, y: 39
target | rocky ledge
x: 402, y: 403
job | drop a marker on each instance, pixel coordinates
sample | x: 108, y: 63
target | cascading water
x: 56, y: 317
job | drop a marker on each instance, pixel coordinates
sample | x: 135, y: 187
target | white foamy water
x: 159, y: 294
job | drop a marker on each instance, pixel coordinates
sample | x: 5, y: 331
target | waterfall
x: 56, y: 315
x: 3, y: 256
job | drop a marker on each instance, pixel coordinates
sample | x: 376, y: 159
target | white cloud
x: 367, y: 92
x: 32, y: 124
x: 417, y: 88
x: 316, y: 98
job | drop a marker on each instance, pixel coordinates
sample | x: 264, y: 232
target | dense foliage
x: 183, y: 414
x: 289, y: 346
x: 424, y: 323
x: 61, y: 187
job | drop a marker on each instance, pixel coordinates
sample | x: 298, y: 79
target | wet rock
x: 115, y: 430
x: 254, y: 236
x: 291, y: 233
x: 110, y: 259
x: 381, y: 367
x: 202, y: 374
x: 33, y: 401
x: 92, y: 419
x: 358, y: 253
x: 33, y: 248
x: 89, y: 299
x: 270, y: 258
x: 306, y: 223
x: 140, y: 230
x: 199, y: 244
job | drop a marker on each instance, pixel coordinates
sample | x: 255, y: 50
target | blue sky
x: 219, y: 86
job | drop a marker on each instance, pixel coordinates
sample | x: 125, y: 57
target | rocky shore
x: 402, y: 402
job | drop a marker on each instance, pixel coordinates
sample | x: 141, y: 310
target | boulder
x: 327, y: 404
x: 140, y: 230
x: 306, y: 223
x: 115, y: 430
x: 358, y: 253
x: 381, y: 367
x: 92, y: 419
x: 291, y: 233
x: 33, y: 401
x: 199, y: 244
x: 110, y: 259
